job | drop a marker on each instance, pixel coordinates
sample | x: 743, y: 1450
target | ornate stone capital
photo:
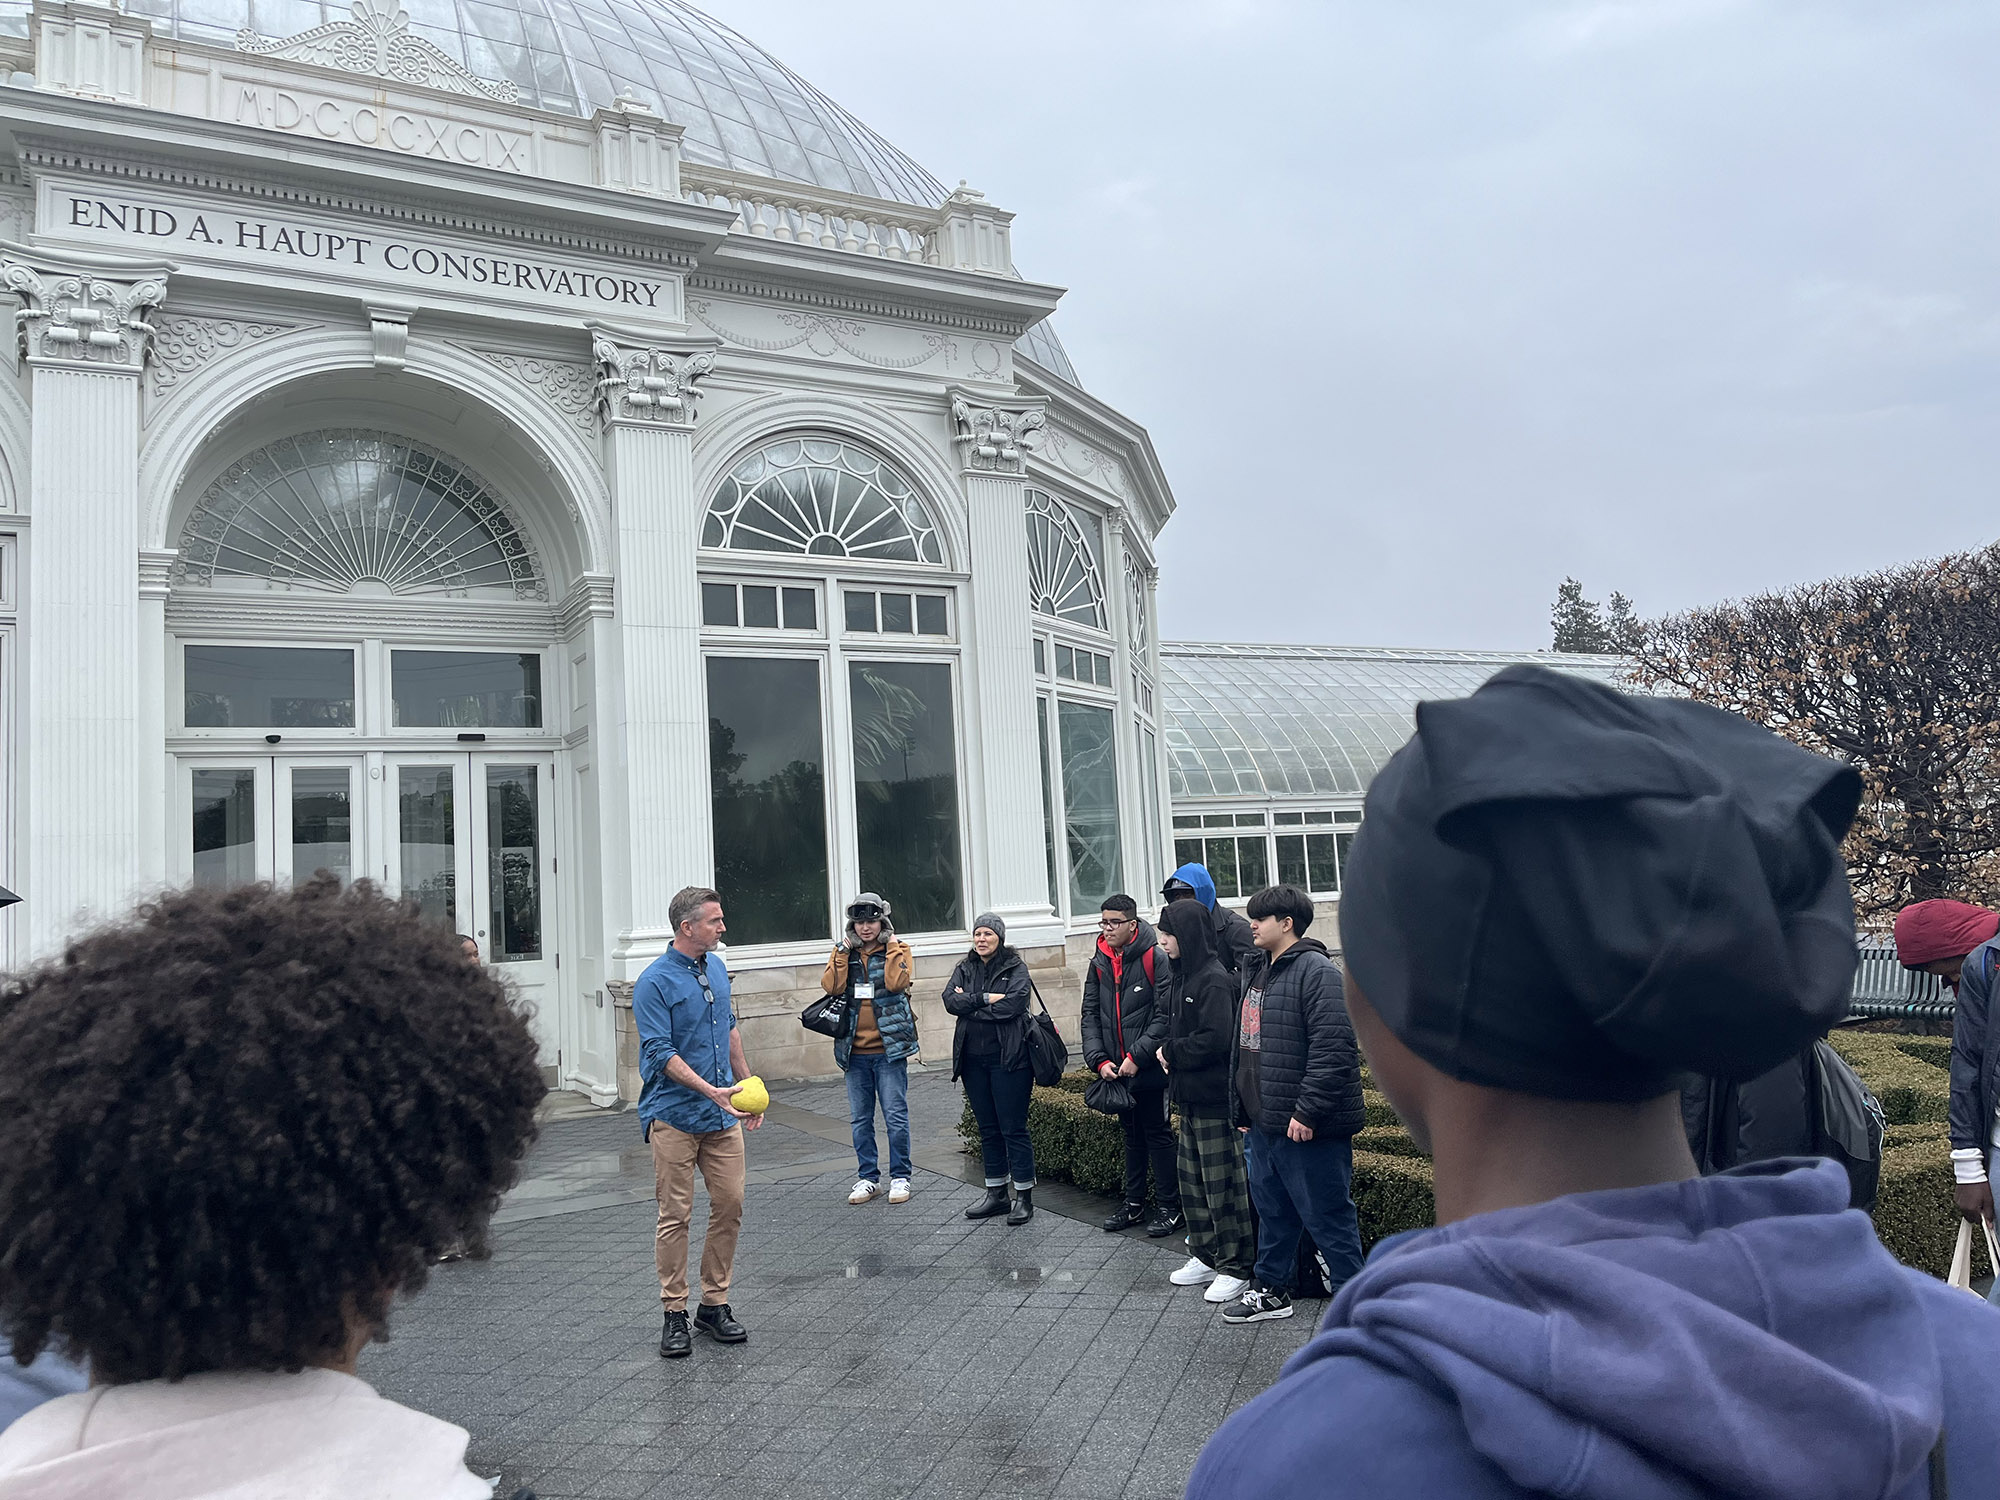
x: 996, y: 439
x: 645, y: 383
x: 83, y: 310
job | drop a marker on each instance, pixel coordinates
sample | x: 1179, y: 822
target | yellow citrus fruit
x: 754, y: 1098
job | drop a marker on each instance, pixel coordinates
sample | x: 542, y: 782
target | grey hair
x: 689, y: 900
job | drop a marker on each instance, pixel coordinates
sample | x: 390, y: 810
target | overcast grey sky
x: 1428, y: 304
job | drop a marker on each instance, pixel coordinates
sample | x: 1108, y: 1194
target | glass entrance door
x: 270, y: 817
x: 468, y: 838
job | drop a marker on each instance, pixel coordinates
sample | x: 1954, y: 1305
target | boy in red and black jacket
x: 1123, y: 1026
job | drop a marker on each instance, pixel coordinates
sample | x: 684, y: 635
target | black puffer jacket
x: 1120, y: 1018
x: 965, y: 997
x: 1309, y: 1068
x: 1234, y: 944
x: 1201, y: 1014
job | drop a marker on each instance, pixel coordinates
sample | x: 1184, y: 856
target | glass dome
x: 741, y: 108
x: 1301, y: 721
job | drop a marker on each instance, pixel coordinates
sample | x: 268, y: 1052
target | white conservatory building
x: 538, y: 456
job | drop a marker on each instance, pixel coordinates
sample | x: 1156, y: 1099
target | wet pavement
x: 895, y: 1350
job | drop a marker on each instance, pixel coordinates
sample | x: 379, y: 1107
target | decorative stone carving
x: 182, y: 345
x: 828, y: 336
x: 997, y: 439
x: 389, y: 331
x: 1086, y: 462
x: 645, y: 383
x: 73, y: 314
x: 570, y: 389
x: 376, y: 40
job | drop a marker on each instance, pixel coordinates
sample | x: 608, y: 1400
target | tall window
x: 906, y: 789
x: 1090, y: 801
x: 767, y: 766
x: 822, y: 498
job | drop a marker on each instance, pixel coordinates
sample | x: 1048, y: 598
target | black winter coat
x: 965, y: 997
x: 1309, y: 1068
x: 1118, y: 1021
x: 1234, y: 943
x: 1771, y: 1115
x: 1201, y: 1033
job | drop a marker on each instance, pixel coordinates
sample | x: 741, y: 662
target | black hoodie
x: 1201, y: 1013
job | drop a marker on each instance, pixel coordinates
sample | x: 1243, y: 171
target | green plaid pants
x: 1215, y: 1194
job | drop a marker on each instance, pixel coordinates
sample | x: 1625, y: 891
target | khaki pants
x: 676, y: 1155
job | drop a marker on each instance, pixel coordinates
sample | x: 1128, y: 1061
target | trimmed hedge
x: 1393, y: 1187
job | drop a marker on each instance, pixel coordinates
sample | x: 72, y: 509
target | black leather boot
x: 995, y: 1202
x: 1023, y: 1209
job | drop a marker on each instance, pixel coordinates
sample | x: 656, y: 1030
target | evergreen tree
x: 1578, y: 622
x: 1624, y: 631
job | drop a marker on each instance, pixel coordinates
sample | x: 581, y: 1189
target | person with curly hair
x: 233, y: 1127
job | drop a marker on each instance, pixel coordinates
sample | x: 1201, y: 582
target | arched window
x: 821, y: 497
x: 356, y: 513
x: 1135, y: 582
x: 1063, y: 581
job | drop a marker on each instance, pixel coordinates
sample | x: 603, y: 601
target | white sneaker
x: 863, y: 1191
x: 899, y: 1190
x: 1226, y: 1288
x: 1194, y: 1273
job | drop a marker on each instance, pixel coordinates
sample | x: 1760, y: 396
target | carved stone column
x: 1012, y: 879
x: 85, y: 337
x: 646, y: 396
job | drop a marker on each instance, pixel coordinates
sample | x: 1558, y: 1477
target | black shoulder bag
x: 1047, y: 1055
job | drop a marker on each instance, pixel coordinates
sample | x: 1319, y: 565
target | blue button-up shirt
x: 681, y: 1007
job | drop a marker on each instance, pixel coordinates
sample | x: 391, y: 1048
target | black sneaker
x: 1127, y: 1216
x: 1257, y: 1305
x: 674, y: 1340
x: 1163, y: 1224
x: 720, y: 1324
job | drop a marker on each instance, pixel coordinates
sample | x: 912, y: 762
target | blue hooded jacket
x: 1233, y: 943
x: 1197, y: 878
x: 1744, y: 1335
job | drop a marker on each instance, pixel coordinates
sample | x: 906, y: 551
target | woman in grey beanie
x: 988, y: 992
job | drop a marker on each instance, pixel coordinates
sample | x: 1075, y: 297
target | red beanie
x: 1927, y: 931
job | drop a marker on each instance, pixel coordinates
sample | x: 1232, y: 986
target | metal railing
x: 1885, y: 990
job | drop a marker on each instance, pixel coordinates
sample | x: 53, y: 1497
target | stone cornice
x: 936, y: 315
x: 47, y: 156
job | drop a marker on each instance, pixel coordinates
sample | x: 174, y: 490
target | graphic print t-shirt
x: 1249, y: 1047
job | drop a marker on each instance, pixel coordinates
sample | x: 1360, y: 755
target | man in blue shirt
x: 690, y: 1057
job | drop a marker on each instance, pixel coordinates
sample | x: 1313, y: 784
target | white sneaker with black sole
x: 1258, y: 1305
x: 1195, y: 1273
x: 1226, y: 1288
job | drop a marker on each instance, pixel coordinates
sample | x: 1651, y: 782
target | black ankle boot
x: 995, y: 1202
x: 1023, y: 1209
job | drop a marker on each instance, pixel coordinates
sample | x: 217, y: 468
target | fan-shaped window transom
x: 1063, y: 580
x: 357, y: 513
x: 821, y: 497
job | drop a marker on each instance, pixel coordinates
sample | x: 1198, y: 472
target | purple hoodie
x: 1744, y: 1335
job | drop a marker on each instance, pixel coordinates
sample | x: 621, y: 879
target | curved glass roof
x: 1311, y: 721
x: 741, y: 107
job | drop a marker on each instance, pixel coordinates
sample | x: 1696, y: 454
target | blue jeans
x: 871, y: 1076
x: 1303, y: 1185
x: 999, y: 1101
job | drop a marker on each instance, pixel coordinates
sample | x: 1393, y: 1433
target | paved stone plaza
x: 894, y: 1350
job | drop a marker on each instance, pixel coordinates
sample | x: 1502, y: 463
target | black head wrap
x: 1193, y: 928
x: 1570, y: 892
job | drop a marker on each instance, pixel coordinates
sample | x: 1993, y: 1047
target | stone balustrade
x: 965, y: 233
